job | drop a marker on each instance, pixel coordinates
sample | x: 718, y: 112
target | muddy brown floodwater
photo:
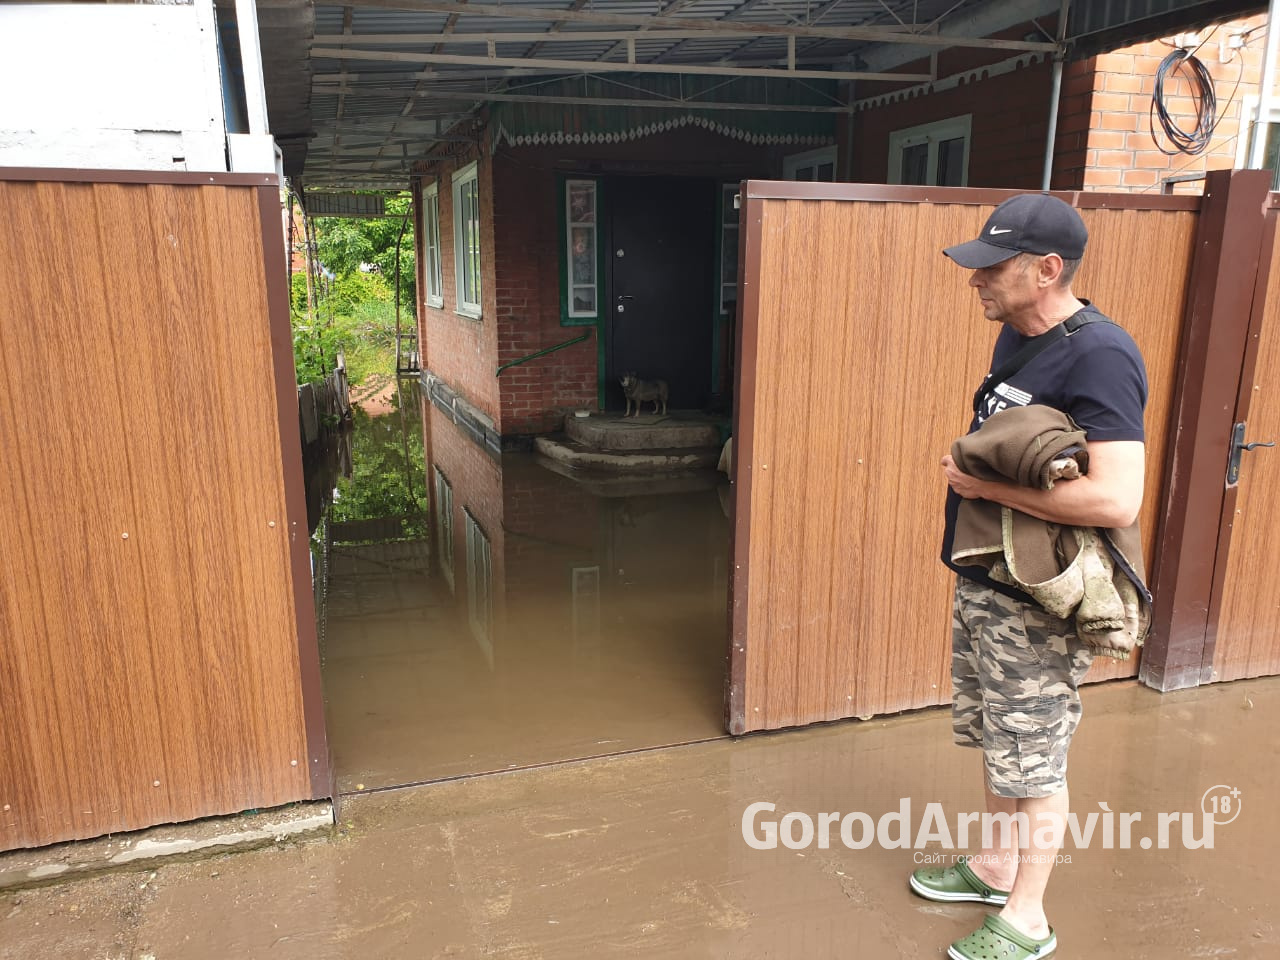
x: 539, y: 619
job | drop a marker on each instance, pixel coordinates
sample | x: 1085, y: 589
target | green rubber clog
x: 956, y: 884
x: 998, y: 940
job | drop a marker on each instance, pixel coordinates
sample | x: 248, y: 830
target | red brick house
x: 604, y: 239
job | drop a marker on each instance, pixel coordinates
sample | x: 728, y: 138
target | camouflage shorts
x: 1015, y: 671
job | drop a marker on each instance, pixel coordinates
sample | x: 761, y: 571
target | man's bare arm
x: 1109, y: 495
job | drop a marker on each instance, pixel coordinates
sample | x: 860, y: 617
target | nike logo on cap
x: 995, y: 230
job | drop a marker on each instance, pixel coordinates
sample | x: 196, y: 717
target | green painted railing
x: 543, y: 353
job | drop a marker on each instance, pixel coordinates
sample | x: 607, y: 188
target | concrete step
x: 621, y: 484
x: 648, y: 432
x: 149, y: 848
x: 577, y: 454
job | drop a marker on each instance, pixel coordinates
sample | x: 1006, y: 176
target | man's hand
x: 968, y: 487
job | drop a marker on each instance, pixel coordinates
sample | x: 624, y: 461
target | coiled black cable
x: 1194, y: 141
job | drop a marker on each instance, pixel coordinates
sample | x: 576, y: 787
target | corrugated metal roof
x: 380, y: 83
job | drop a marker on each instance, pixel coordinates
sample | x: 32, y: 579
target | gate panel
x: 154, y: 663
x: 860, y: 346
x: 1247, y: 636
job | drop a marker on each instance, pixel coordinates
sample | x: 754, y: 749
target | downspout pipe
x: 1055, y: 95
x: 1258, y: 143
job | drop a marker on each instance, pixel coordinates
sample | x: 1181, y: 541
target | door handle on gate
x: 1238, y: 446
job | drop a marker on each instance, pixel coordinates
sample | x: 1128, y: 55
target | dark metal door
x: 661, y: 280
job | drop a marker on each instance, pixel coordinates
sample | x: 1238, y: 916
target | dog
x: 639, y: 391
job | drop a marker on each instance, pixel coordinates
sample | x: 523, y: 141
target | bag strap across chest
x: 1032, y: 349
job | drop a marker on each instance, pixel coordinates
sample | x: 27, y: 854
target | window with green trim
x: 728, y: 246
x: 582, y: 249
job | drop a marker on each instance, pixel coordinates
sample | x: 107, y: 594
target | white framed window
x: 479, y: 586
x: 444, y: 525
x: 817, y: 164
x: 932, y: 154
x: 1271, y: 153
x: 582, y: 248
x: 466, y: 239
x: 728, y: 245
x: 431, y: 245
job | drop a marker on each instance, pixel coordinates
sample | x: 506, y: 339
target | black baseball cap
x: 1030, y: 223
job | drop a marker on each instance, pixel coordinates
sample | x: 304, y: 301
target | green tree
x: 343, y: 244
x: 355, y: 313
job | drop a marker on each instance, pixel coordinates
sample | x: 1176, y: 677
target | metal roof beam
x: 347, y: 15
x: 320, y: 44
x: 354, y: 147
x: 362, y: 124
x: 480, y: 96
x: 990, y: 17
x: 628, y: 44
x: 428, y: 74
x: 735, y: 14
x: 373, y: 165
x: 876, y: 34
x: 615, y: 66
x: 555, y: 27
x: 818, y: 14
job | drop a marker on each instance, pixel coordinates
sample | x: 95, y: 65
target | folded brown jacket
x: 1093, y: 575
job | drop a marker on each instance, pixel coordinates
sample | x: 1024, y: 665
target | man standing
x: 1016, y: 669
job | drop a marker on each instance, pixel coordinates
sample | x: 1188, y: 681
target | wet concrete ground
x: 643, y: 856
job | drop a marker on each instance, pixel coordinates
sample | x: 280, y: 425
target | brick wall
x: 535, y: 395
x: 1009, y: 126
x: 460, y: 350
x: 1008, y: 98
x: 1122, y: 154
x: 522, y: 270
x: 1104, y: 136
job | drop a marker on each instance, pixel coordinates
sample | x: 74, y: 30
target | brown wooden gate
x: 158, y: 657
x: 860, y: 344
x: 1244, y: 638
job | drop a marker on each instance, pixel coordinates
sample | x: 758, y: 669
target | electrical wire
x: 1238, y: 55
x: 1196, y: 140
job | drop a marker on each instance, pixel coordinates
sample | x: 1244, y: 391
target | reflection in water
x: 324, y: 461
x: 385, y: 496
x: 541, y: 618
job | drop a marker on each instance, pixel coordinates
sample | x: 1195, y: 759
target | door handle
x: 623, y: 296
x: 1238, y: 446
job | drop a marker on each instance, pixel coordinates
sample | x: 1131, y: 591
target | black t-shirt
x: 1096, y: 376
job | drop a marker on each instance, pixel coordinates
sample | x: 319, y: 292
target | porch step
x: 577, y: 454
x: 648, y: 432
x: 611, y: 484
